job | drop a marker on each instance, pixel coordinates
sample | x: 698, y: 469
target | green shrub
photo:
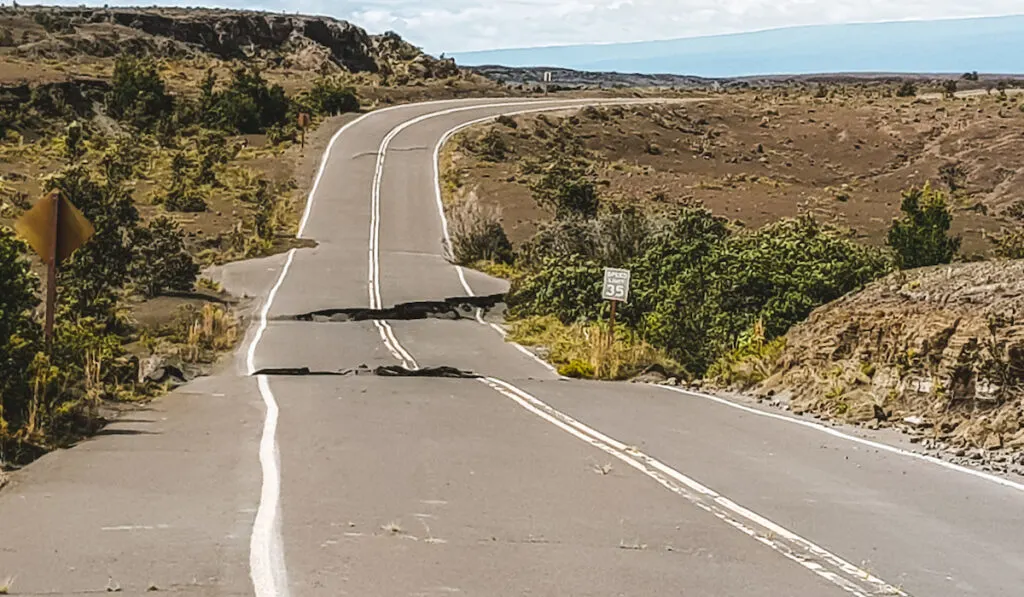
x: 907, y: 89
x: 91, y: 279
x: 162, y: 261
x: 1009, y: 244
x: 697, y: 284
x: 507, y: 121
x: 921, y: 236
x: 330, y: 97
x: 492, y: 146
x: 249, y: 105
x: 18, y: 331
x: 577, y: 369
x: 568, y: 188
x: 138, y: 94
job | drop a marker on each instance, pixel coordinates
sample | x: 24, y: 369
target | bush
x: 507, y: 121
x: 949, y: 87
x: 139, y: 95
x: 567, y: 187
x: 492, y: 146
x: 476, y: 233
x: 248, y: 106
x: 330, y: 97
x: 18, y: 331
x: 1009, y: 244
x: 698, y: 286
x: 921, y: 237
x: 907, y: 89
x: 90, y: 280
x: 162, y: 261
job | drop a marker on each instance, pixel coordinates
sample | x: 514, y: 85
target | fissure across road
x: 408, y: 334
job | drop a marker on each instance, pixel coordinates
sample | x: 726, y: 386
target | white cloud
x: 464, y: 25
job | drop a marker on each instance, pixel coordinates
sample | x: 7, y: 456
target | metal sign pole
x: 51, y: 273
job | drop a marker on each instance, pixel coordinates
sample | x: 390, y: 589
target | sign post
x: 616, y: 290
x: 547, y: 79
x: 303, y: 124
x: 54, y: 228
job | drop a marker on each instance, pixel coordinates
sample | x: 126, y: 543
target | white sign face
x: 616, y: 284
x: 547, y: 76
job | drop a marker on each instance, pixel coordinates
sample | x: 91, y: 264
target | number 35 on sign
x: 616, y: 285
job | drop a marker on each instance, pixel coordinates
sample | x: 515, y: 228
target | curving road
x: 517, y: 483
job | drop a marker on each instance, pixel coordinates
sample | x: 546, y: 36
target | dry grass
x: 213, y: 329
x: 586, y: 349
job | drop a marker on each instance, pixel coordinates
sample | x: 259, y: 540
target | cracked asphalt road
x: 516, y: 483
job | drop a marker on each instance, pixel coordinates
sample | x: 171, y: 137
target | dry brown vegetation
x: 760, y: 156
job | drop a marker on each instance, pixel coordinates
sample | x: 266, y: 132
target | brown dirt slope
x: 760, y: 156
x: 945, y: 344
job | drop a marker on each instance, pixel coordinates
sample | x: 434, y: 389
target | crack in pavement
x: 464, y: 307
x: 382, y: 371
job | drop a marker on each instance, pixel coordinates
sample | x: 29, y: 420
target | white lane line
x: 815, y: 558
x: 251, y: 357
x: 866, y: 442
x: 789, y: 544
x: 440, y: 207
x: 266, y: 548
x: 330, y: 147
x: 373, y: 251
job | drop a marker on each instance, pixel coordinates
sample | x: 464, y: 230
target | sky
x: 463, y: 25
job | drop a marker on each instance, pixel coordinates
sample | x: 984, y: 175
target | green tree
x: 330, y: 96
x: 247, y: 106
x: 921, y: 236
x: 568, y: 187
x: 162, y: 262
x: 19, y: 332
x: 90, y: 280
x: 138, y: 94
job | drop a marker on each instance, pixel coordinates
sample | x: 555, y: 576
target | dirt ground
x: 760, y: 156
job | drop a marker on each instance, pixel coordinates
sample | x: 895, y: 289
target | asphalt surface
x: 520, y: 483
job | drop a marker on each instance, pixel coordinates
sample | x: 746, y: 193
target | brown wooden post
x: 611, y: 324
x: 51, y: 272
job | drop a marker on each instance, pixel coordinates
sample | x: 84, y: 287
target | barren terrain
x: 760, y: 156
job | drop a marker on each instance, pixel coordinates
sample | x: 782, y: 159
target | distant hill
x: 989, y: 45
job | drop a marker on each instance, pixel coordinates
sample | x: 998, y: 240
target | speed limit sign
x: 616, y: 285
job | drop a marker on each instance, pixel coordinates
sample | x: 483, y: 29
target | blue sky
x: 465, y: 25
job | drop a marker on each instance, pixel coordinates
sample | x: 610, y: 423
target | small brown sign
x: 303, y: 120
x: 38, y: 228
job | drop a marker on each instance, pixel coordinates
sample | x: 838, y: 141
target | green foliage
x: 249, y: 105
x: 90, y: 280
x: 750, y: 363
x: 949, y: 87
x: 577, y: 369
x: 18, y: 331
x: 907, y: 89
x: 492, y: 146
x: 971, y: 76
x: 564, y: 181
x: 330, y: 97
x: 697, y: 285
x: 1009, y: 244
x: 139, y: 95
x: 567, y: 187
x: 921, y: 237
x: 162, y: 261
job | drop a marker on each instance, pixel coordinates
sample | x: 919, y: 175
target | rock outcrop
x: 315, y: 43
x: 942, y: 347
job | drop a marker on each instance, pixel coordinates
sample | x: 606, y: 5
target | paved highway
x: 517, y: 483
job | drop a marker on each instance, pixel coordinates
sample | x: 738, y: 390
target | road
x: 516, y: 483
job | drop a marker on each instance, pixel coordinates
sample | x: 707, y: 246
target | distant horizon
x: 731, y: 34
x: 993, y: 45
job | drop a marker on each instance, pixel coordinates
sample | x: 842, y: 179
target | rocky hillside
x: 939, y: 350
x: 287, y: 41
